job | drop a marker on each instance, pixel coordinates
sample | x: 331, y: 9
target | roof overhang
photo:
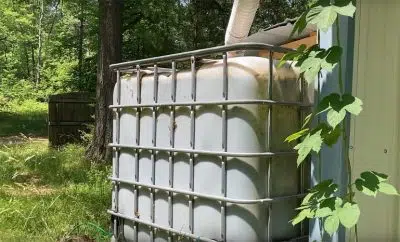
x: 279, y: 34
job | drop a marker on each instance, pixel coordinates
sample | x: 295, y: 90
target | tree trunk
x: 80, y: 44
x: 196, y: 25
x: 110, y: 52
x: 33, y: 62
x: 39, y: 55
x: 28, y: 68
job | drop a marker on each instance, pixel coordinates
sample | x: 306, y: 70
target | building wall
x: 375, y: 133
x: 330, y: 164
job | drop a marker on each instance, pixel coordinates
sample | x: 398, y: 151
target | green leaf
x: 371, y: 181
x: 331, y: 224
x: 333, y: 55
x: 368, y: 187
x: 311, y: 74
x: 382, y: 177
x: 369, y: 192
x: 294, y: 55
x: 310, y: 143
x: 334, y: 101
x: 329, y: 203
x: 349, y: 214
x: 327, y: 66
x: 323, y: 212
x: 302, y: 207
x: 335, y: 117
x: 302, y: 215
x: 338, y: 106
x: 299, y: 25
x: 330, y: 138
x: 313, y: 59
x: 301, y: 48
x: 296, y: 135
x: 313, y: 12
x: 346, y: 10
x: 338, y: 203
x: 307, y: 198
x: 307, y: 119
x: 310, y: 67
x: 387, y: 189
x: 325, y: 189
x: 302, y: 154
x: 323, y: 14
x: 325, y: 18
x: 354, y: 107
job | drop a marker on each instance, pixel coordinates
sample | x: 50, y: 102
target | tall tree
x: 110, y: 52
x: 40, y: 42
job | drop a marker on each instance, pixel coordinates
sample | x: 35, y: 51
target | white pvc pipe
x: 240, y: 21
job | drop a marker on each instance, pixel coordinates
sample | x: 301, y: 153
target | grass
x: 28, y: 117
x: 50, y: 194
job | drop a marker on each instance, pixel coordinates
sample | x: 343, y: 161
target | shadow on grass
x: 29, y: 123
x: 48, y: 194
x: 73, y: 210
x: 37, y: 163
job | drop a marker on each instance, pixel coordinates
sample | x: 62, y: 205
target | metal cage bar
x: 204, y: 152
x: 224, y: 143
x: 206, y: 196
x: 199, y: 53
x: 302, y: 166
x: 269, y: 146
x: 156, y: 226
x: 179, y: 232
x: 171, y: 154
x: 192, y: 143
x: 115, y: 193
x: 153, y: 152
x: 137, y: 154
x: 205, y: 103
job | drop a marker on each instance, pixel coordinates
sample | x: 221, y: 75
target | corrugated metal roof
x: 278, y: 34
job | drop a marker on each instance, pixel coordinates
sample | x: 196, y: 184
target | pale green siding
x: 375, y: 133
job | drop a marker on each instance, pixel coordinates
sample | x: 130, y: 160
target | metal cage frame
x: 193, y: 56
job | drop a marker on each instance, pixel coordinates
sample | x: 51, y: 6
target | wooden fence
x: 69, y: 114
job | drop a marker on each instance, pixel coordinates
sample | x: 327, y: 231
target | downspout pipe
x: 240, y: 21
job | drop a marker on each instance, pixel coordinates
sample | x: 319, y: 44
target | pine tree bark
x: 27, y: 63
x: 110, y: 13
x: 33, y: 62
x: 40, y: 44
x: 80, y: 40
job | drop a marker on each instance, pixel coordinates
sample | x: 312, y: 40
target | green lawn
x: 27, y: 117
x: 49, y: 194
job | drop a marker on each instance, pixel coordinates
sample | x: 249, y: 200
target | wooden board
x: 308, y: 41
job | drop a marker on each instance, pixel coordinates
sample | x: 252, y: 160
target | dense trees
x: 50, y: 46
x: 39, y: 43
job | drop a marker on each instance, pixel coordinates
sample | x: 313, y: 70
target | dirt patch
x: 25, y: 190
x: 77, y: 238
x: 19, y: 139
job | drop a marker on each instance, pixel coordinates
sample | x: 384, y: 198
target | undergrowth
x: 50, y: 195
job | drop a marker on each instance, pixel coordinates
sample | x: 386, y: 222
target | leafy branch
x: 321, y: 202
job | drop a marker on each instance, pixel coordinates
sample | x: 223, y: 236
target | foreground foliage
x: 322, y: 201
x: 48, y: 195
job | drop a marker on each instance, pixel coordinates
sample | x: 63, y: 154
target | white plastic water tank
x: 247, y: 178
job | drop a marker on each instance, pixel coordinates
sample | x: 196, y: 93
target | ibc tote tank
x: 167, y: 154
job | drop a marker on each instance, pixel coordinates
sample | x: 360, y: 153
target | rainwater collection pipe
x: 240, y: 21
